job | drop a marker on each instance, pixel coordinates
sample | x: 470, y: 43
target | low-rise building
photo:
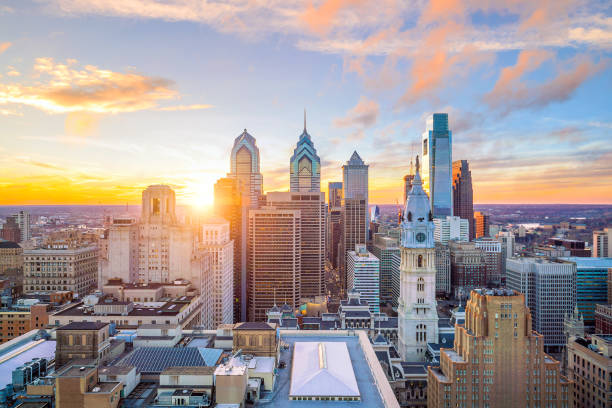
x: 590, y: 368
x: 80, y: 386
x: 82, y: 340
x: 11, y: 258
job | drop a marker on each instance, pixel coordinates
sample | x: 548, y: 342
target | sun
x: 199, y: 194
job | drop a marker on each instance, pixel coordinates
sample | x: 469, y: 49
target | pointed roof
x: 355, y: 160
x: 417, y: 203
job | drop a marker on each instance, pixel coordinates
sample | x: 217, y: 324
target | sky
x: 100, y: 98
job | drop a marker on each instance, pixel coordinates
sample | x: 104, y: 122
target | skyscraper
x: 355, y: 178
x: 463, y: 194
x: 451, y: 228
x: 497, y: 360
x: 437, y: 164
x: 602, y: 243
x: 312, y: 215
x: 385, y: 249
x: 481, y: 224
x: 305, y: 165
x: 22, y: 219
x: 417, y: 313
x: 274, y: 260
x: 335, y: 194
x: 227, y: 204
x: 215, y: 238
x: 443, y: 269
x: 363, y: 273
x: 244, y: 168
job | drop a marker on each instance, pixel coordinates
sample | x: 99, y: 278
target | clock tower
x: 417, y: 314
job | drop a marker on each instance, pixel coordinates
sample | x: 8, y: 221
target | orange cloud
x: 320, y: 20
x: 364, y: 114
x: 442, y: 9
x: 4, y: 46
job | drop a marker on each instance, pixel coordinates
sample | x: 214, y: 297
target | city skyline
x: 100, y: 99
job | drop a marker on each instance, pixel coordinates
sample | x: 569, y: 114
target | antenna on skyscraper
x: 304, y: 120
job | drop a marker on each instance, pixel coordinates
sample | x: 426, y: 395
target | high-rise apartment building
x: 274, y: 260
x: 590, y: 367
x: 363, y: 274
x: 22, y: 219
x: 386, y: 249
x: 468, y: 267
x: 451, y: 228
x: 305, y: 165
x: 550, y: 293
x: 443, y: 269
x: 438, y: 164
x: 493, y: 259
x: 59, y: 269
x: 602, y: 243
x: 481, y: 224
x: 417, y: 313
x: 335, y: 194
x: 463, y: 194
x: 312, y: 244
x: 215, y: 239
x: 591, y: 285
x: 497, y: 360
x: 507, y: 240
x: 227, y: 204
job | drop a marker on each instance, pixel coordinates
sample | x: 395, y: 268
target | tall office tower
x: 10, y: 230
x: 451, y: 229
x: 363, y: 274
x: 121, y: 259
x: 227, y: 204
x: 438, y: 164
x: 443, y: 270
x: 22, y: 219
x: 274, y: 260
x: 386, y: 249
x: 550, y: 293
x: 507, y: 244
x: 312, y: 245
x: 497, y: 360
x: 335, y: 194
x: 215, y: 239
x: 244, y: 168
x: 354, y: 229
x: 50, y: 270
x: 481, y: 224
x: 602, y: 243
x: 493, y: 259
x: 593, y: 383
x: 334, y: 235
x: 305, y: 165
x: 591, y: 285
x: 417, y: 314
x: 468, y: 268
x: 463, y: 194
x: 355, y: 178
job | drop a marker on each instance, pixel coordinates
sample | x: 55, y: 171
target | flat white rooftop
x: 322, y: 369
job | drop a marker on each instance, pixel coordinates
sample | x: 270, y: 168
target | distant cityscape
x: 281, y: 298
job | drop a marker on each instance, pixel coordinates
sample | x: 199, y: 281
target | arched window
x: 420, y: 261
x: 420, y: 285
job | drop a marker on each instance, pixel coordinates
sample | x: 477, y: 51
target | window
x: 420, y: 261
x: 420, y: 285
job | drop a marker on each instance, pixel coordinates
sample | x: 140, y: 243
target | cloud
x: 63, y: 88
x: 364, y: 114
x: 44, y: 165
x: 81, y: 124
x: 4, y: 46
x: 319, y: 19
x: 185, y: 107
x: 511, y: 93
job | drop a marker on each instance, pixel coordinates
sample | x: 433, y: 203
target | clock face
x: 420, y: 237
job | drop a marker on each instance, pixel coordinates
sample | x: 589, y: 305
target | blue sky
x: 99, y: 98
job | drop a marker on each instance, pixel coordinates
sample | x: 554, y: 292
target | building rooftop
x: 496, y: 292
x: 157, y: 359
x: 83, y: 326
x: 23, y: 353
x: 189, y: 370
x: 9, y: 245
x: 115, y: 370
x: 322, y: 369
x: 253, y: 326
x: 586, y: 262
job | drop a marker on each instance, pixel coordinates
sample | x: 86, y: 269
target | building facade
x: 590, y: 368
x: 492, y: 249
x: 274, y: 260
x: 386, y: 249
x: 468, y: 268
x: 417, y: 313
x: 22, y: 219
x: 305, y: 165
x: 121, y: 258
x: 602, y: 243
x: 10, y: 230
x: 497, y: 360
x: 451, y: 228
x: 443, y: 270
x: 11, y: 258
x: 311, y: 206
x: 354, y: 228
x: 363, y: 274
x: 70, y: 269
x: 549, y: 290
x: 215, y: 239
x: 437, y: 164
x: 335, y: 194
x: 481, y: 224
x: 463, y: 194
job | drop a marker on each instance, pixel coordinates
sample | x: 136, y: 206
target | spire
x: 304, y: 120
x: 417, y: 163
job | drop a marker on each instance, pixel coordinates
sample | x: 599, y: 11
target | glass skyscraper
x: 305, y: 165
x: 438, y: 165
